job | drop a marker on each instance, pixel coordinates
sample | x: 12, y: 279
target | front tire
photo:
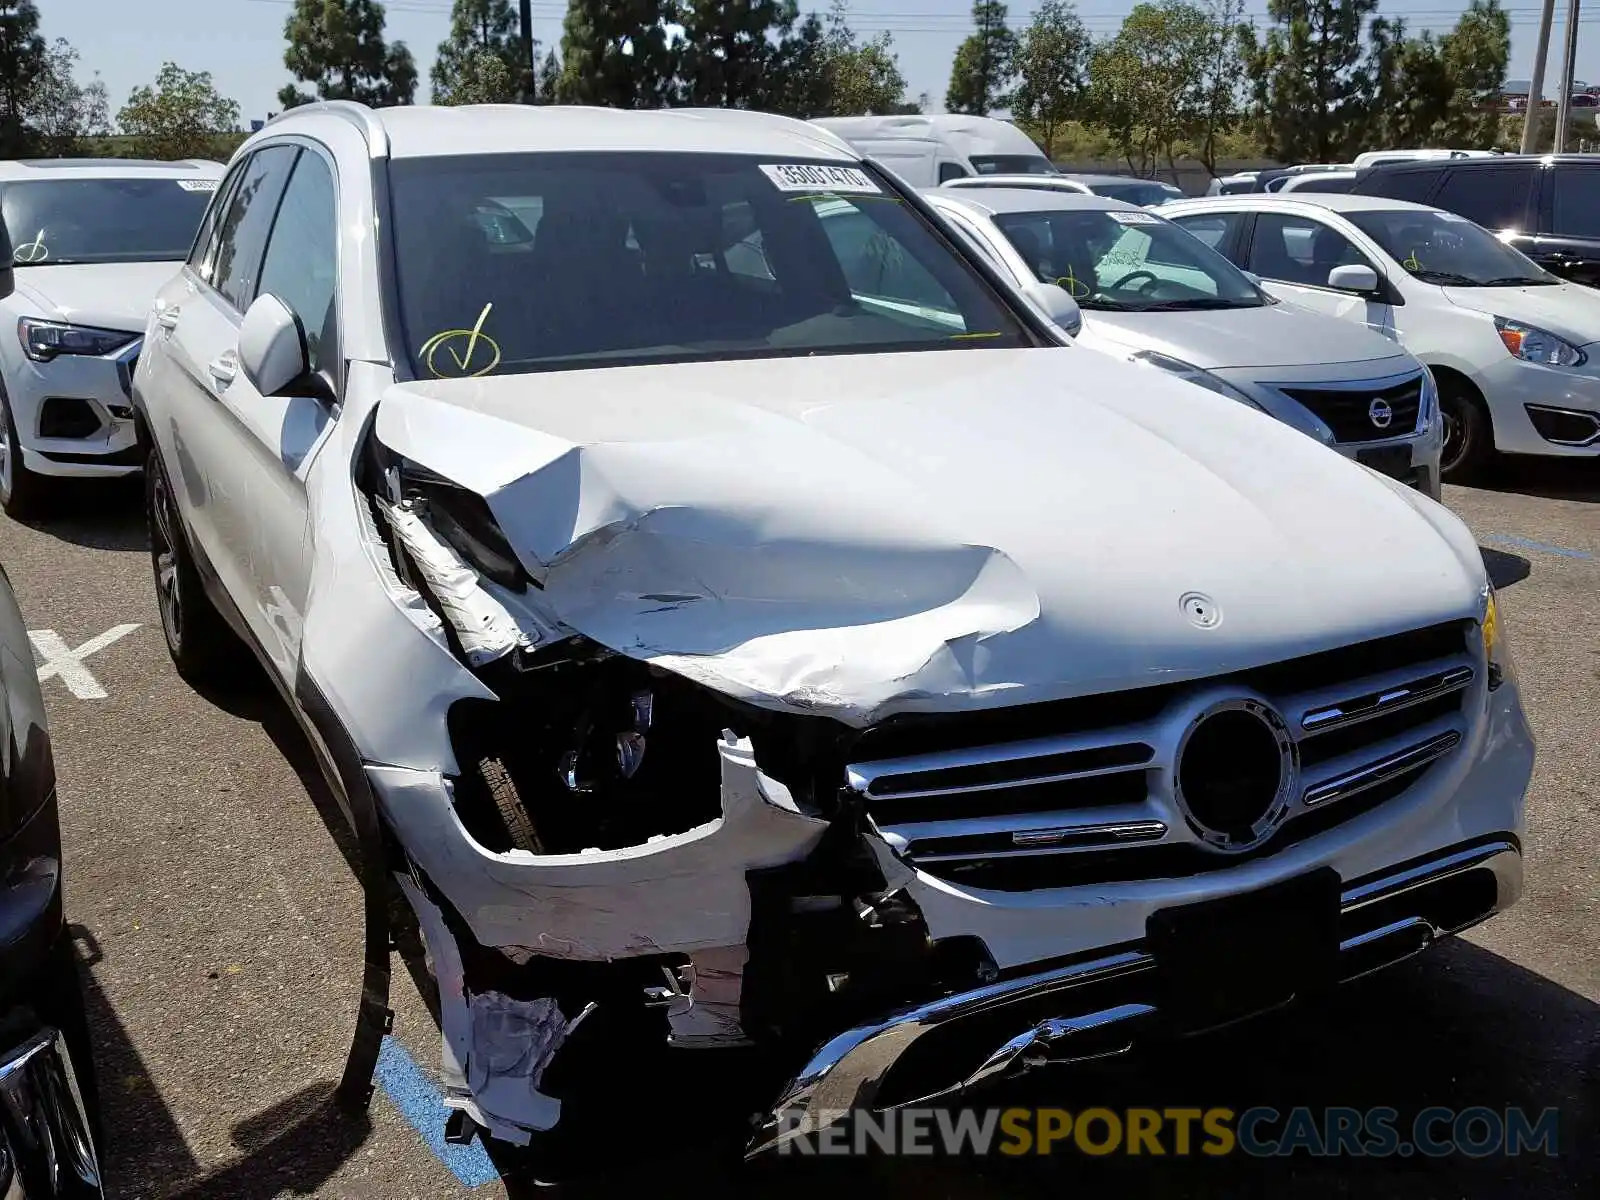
x: 1468, y: 434
x: 22, y: 492
x: 202, y: 647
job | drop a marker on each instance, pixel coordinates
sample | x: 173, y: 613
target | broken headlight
x: 1496, y: 650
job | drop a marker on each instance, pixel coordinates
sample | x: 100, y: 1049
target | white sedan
x: 1515, y: 350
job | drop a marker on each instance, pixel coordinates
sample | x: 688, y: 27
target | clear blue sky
x: 241, y: 41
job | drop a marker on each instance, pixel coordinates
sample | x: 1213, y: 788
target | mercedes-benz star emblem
x: 1379, y: 413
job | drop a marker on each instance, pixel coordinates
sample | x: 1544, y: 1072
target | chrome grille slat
x: 1030, y: 781
x: 1383, y: 770
x: 869, y: 778
x: 1006, y: 823
x: 1389, y: 699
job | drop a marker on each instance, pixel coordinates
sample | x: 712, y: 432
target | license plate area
x: 1393, y: 461
x: 1222, y: 960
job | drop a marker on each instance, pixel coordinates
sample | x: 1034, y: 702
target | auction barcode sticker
x: 198, y: 185
x: 1134, y: 218
x: 811, y: 177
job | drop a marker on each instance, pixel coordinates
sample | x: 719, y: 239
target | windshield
x: 1012, y: 164
x: 1442, y: 248
x: 1126, y: 261
x: 1137, y: 191
x: 58, y: 221
x: 509, y: 263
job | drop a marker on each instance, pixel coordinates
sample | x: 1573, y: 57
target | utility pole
x: 529, y: 67
x: 1564, y: 105
x: 1530, y: 121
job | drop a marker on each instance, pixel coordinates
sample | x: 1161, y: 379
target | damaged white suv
x: 759, y: 635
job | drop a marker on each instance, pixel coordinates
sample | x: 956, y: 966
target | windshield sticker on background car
x: 1134, y: 218
x: 1411, y: 262
x: 198, y: 185
x: 462, y: 349
x: 808, y: 177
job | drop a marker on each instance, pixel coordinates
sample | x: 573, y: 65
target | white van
x: 929, y: 150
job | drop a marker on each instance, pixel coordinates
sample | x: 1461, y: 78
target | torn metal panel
x: 707, y: 1014
x: 675, y: 893
x: 856, y: 537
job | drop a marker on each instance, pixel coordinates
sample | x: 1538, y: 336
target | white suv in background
x: 92, y: 241
x: 760, y: 662
x: 1515, y: 349
x: 1150, y: 293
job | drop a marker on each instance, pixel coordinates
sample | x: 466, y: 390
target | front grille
x: 1095, y: 799
x: 1356, y: 414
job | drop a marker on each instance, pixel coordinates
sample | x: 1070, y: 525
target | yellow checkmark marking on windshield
x: 472, y: 339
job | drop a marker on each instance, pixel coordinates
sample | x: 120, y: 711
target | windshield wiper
x: 1198, y: 304
x: 1517, y: 281
x: 1445, y: 278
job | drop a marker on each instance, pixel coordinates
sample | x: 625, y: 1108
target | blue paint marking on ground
x: 1545, y: 547
x: 420, y: 1102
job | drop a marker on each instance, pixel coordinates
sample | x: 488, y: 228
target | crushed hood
x: 1273, y: 335
x: 104, y: 295
x: 856, y: 535
x: 1568, y: 310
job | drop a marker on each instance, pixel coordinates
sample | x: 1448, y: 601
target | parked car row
x: 891, y: 636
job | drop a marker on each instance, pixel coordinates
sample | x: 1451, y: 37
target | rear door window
x: 1220, y: 231
x: 1575, y: 201
x: 1496, y: 197
x: 1412, y: 185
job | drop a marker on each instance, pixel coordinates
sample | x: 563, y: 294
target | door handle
x: 167, y: 318
x: 223, y: 369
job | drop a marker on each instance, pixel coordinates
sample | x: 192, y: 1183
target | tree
x: 1148, y: 84
x: 826, y: 71
x: 180, y: 116
x: 732, y: 51
x: 549, y: 79
x: 61, y: 114
x: 481, y: 61
x: 1310, y: 93
x: 619, y: 53
x: 22, y: 61
x: 1052, y: 65
x: 337, y: 46
x: 1213, y: 109
x: 984, y: 63
x: 1444, y: 91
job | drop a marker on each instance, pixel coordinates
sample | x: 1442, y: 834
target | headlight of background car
x: 44, y: 340
x: 1429, y: 416
x: 1193, y: 374
x: 1496, y: 651
x: 1537, y: 345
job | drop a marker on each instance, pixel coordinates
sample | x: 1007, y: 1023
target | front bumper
x: 89, y: 391
x: 1544, y: 410
x: 1106, y: 1004
x: 46, y: 1151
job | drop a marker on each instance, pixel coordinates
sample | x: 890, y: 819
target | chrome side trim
x: 1381, y: 771
x: 1362, y: 708
x: 44, y: 1130
x: 1503, y: 857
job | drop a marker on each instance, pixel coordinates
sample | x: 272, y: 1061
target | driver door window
x: 302, y: 258
x: 1294, y: 255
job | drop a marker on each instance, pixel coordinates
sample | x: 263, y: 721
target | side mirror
x: 1057, y: 304
x: 1354, y: 277
x: 272, y: 347
x: 8, y: 274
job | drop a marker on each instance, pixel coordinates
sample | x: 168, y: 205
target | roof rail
x: 359, y: 115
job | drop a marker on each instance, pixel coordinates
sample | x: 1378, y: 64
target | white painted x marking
x: 67, y: 665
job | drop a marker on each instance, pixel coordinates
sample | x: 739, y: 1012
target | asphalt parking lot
x: 219, y: 917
